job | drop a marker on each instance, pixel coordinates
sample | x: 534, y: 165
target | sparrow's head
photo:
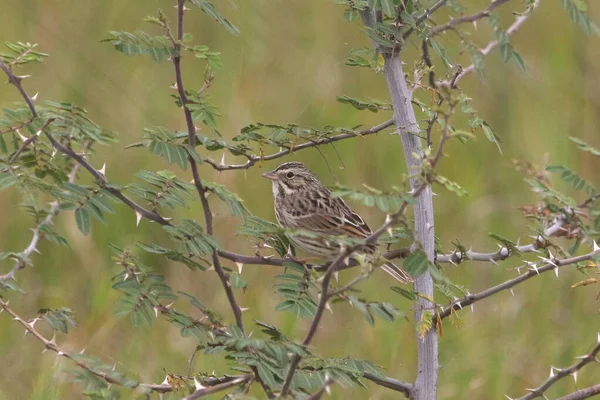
x: 292, y: 177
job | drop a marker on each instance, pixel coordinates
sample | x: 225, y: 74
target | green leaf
x: 211, y: 11
x: 7, y: 180
x: 82, y: 218
x: 416, y: 263
x: 584, y: 146
x: 59, y: 319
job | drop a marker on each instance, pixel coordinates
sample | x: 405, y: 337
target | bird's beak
x: 270, y: 175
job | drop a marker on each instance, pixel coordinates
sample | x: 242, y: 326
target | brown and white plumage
x: 302, y: 202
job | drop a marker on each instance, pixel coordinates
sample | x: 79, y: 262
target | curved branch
x: 252, y: 160
x: 391, y: 383
x: 519, y: 21
x: 467, y: 18
x: 37, y: 235
x: 557, y: 374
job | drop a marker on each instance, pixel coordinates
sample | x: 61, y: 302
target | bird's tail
x: 398, y: 273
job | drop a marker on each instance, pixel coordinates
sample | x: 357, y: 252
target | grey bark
x: 425, y: 387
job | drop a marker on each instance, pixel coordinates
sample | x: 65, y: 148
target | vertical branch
x: 208, y: 217
x: 406, y: 122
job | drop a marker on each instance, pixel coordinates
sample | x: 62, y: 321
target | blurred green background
x: 288, y: 66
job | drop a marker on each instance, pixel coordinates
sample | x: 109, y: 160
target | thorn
x: 198, y: 385
x: 60, y: 353
x: 103, y: 170
x: 243, y: 309
x: 33, y: 322
x: 556, y: 271
x: 249, y: 336
x: 388, y: 220
x: 82, y: 350
x: 472, y: 308
x: 138, y: 218
x: 166, y: 381
x: 211, y: 268
x: 596, y: 248
x: 459, y: 305
x: 38, y: 133
x: 492, y: 261
x: 347, y: 261
x: 34, y: 97
x: 173, y: 86
x: 21, y: 77
x: 211, y: 335
x: 289, y: 251
x: 240, y: 266
x: 336, y: 275
x: 155, y: 311
x: 575, y: 376
x: 23, y: 138
x: 328, y: 307
x: 599, y: 337
x: 114, y: 368
x: 551, y: 372
x: 53, y: 154
x: 512, y: 292
x: 508, y: 397
x: 222, y: 159
x: 434, y: 194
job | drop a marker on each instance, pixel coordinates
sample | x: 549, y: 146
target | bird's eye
x: 290, y: 174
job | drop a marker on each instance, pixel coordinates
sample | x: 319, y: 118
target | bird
x: 302, y: 202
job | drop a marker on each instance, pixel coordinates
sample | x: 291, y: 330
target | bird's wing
x: 329, y: 215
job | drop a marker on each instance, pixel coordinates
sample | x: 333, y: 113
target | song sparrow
x: 302, y: 202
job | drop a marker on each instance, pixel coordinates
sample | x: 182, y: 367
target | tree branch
x: 534, y: 270
x: 467, y: 18
x: 582, y: 393
x: 321, y: 392
x: 557, y: 374
x: 519, y: 21
x: 391, y: 383
x: 504, y: 252
x: 204, y: 391
x: 223, y: 276
x: 252, y: 160
x: 423, y: 17
x: 37, y: 235
x: 16, y: 82
x: 51, y: 345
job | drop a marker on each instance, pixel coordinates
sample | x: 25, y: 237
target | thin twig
x: 37, y: 234
x: 391, y: 383
x: 519, y: 21
x: 204, y: 391
x: 16, y: 82
x: 467, y: 18
x: 252, y: 160
x: 557, y: 374
x: 29, y: 140
x: 237, y: 312
x: 322, y: 391
x: 426, y: 15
